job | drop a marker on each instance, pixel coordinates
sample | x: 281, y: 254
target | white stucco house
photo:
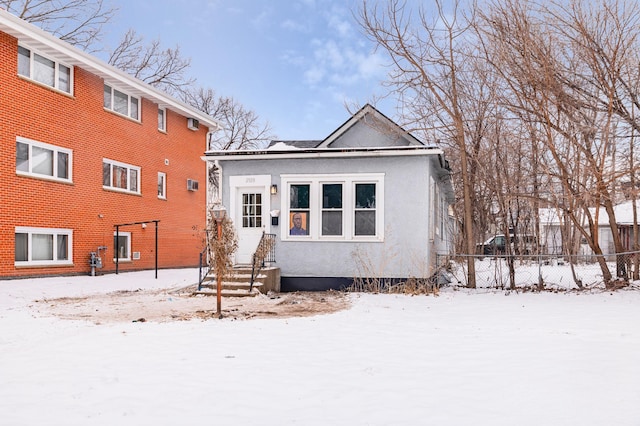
x: 370, y: 199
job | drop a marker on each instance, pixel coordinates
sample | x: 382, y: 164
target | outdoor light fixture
x: 274, y: 189
x: 219, y: 212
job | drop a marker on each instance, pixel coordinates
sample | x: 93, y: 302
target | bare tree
x: 78, y: 22
x: 562, y: 65
x: 428, y: 70
x: 243, y: 128
x: 163, y: 68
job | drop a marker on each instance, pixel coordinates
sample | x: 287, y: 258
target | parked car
x: 496, y: 245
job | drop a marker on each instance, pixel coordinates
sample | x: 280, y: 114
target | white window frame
x: 56, y: 152
x: 132, y: 113
x: 128, y: 236
x: 55, y: 232
x: 162, y: 125
x: 56, y: 70
x: 163, y: 195
x: 129, y: 168
x: 315, y: 182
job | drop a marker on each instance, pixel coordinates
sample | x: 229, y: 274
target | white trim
x: 112, y: 103
x: 128, y: 235
x: 262, y: 181
x: 164, y: 185
x: 162, y: 128
x: 30, y: 231
x: 56, y: 70
x: 56, y: 149
x: 129, y: 167
x: 315, y: 181
x: 321, y: 153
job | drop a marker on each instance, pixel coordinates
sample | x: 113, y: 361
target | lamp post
x: 219, y: 213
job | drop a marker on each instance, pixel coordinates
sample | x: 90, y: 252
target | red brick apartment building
x: 85, y: 147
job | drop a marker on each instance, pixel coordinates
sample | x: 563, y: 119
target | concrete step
x: 231, y: 285
x: 227, y: 292
x: 236, y: 278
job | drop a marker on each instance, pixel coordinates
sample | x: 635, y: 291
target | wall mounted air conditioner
x: 193, y: 124
x: 192, y: 185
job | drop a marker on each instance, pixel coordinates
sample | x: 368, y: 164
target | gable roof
x: 381, y: 122
x: 367, y: 114
x: 60, y: 50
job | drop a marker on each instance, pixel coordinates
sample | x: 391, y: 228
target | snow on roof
x: 282, y: 146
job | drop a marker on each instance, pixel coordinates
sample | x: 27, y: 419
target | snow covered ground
x: 484, y: 357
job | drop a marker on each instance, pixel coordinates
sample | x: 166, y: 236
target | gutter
x: 323, y: 153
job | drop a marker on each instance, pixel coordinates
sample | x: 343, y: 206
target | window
x: 299, y: 209
x: 252, y: 210
x: 365, y: 209
x: 44, y: 70
x: 334, y: 207
x: 122, y: 244
x: 42, y: 160
x: 162, y: 185
x: 121, y: 102
x: 120, y: 176
x: 162, y: 119
x: 43, y: 246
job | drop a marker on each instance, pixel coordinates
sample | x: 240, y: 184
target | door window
x: 252, y: 210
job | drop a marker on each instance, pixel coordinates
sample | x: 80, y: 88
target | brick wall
x: 80, y: 123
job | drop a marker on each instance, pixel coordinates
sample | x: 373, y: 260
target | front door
x: 250, y: 221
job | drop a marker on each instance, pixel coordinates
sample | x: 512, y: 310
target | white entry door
x: 251, y: 216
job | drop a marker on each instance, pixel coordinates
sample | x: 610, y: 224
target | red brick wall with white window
x: 80, y: 123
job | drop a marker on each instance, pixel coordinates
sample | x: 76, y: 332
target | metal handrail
x: 204, y: 265
x: 260, y: 256
x: 204, y: 268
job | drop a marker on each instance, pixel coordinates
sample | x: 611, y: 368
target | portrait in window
x: 299, y: 223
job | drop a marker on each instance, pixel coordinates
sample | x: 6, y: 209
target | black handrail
x: 265, y: 252
x: 204, y: 268
x: 205, y: 264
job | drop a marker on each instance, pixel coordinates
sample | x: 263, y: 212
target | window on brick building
x: 122, y: 244
x: 162, y: 185
x: 44, y: 70
x: 121, y: 102
x: 43, y: 246
x: 41, y: 160
x: 120, y: 176
x: 162, y: 119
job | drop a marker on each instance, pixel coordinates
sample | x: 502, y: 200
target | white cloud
x: 314, y: 75
x: 294, y: 25
x: 341, y: 26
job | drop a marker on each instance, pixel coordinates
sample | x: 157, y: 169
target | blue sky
x: 295, y: 62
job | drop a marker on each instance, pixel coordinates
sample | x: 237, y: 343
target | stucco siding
x: 371, y: 134
x: 404, y: 249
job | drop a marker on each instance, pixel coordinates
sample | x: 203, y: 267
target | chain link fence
x: 540, y: 271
